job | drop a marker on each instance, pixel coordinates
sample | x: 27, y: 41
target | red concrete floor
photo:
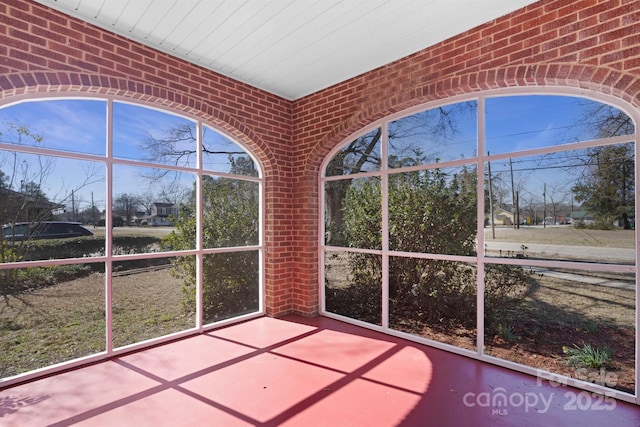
x: 301, y: 372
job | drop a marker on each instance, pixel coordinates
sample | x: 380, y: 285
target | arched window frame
x: 199, y: 252
x: 480, y: 260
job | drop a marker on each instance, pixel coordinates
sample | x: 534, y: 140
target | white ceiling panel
x: 291, y: 48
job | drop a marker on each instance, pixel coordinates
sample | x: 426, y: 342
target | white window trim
x: 480, y: 260
x: 199, y: 252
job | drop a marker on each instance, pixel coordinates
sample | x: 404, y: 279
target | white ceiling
x: 291, y: 48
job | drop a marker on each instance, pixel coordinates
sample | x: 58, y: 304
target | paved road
x: 565, y: 252
x: 591, y: 280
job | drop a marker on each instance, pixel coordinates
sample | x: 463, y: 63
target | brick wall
x: 588, y: 45
x: 43, y: 51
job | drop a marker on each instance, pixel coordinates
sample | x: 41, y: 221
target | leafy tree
x: 429, y: 212
x: 360, y: 155
x: 89, y: 215
x: 125, y: 206
x: 33, y: 190
x: 363, y: 154
x: 4, y: 180
x: 230, y: 218
x: 607, y: 188
x: 433, y: 212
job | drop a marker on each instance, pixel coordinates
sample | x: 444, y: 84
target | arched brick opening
x: 581, y: 79
x: 584, y: 79
x: 47, y: 84
x: 42, y: 85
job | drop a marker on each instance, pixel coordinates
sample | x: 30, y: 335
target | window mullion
x: 108, y: 227
x: 480, y: 229
x: 199, y: 242
x: 384, y: 197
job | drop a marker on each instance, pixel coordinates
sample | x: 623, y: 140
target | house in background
x: 161, y: 214
x: 503, y: 217
x: 21, y: 207
x: 139, y: 217
x: 582, y: 217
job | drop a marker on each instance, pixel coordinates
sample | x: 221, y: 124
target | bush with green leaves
x: 16, y: 280
x: 429, y: 212
x: 587, y: 356
x: 230, y: 219
x: 79, y: 247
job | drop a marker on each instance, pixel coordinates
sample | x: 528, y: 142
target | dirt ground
x: 67, y: 321
x: 557, y: 315
x: 548, y: 356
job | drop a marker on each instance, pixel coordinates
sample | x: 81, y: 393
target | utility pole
x: 517, y: 210
x: 544, y: 211
x: 493, y: 228
x: 514, y: 199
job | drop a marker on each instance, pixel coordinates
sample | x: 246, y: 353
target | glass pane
x: 353, y: 285
x: 575, y: 323
x: 353, y: 213
x: 574, y: 205
x: 77, y: 125
x: 46, y: 199
x: 230, y: 212
x: 433, y: 299
x: 231, y: 285
x: 148, y: 205
x: 433, y: 211
x: 361, y: 155
x: 440, y: 134
x: 150, y: 299
x: 50, y: 315
x: 141, y: 133
x: 516, y: 123
x: 220, y: 154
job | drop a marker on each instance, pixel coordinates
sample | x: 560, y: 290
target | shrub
x: 429, y: 212
x: 588, y: 356
x: 79, y: 247
x: 14, y: 281
x: 506, y: 332
x: 20, y: 280
x: 361, y: 298
x: 230, y: 279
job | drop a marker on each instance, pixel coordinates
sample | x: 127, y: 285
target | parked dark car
x: 43, y: 230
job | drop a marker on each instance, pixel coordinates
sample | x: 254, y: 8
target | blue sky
x: 512, y: 123
x: 535, y: 121
x: 526, y: 122
x: 80, y: 125
x: 77, y: 125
